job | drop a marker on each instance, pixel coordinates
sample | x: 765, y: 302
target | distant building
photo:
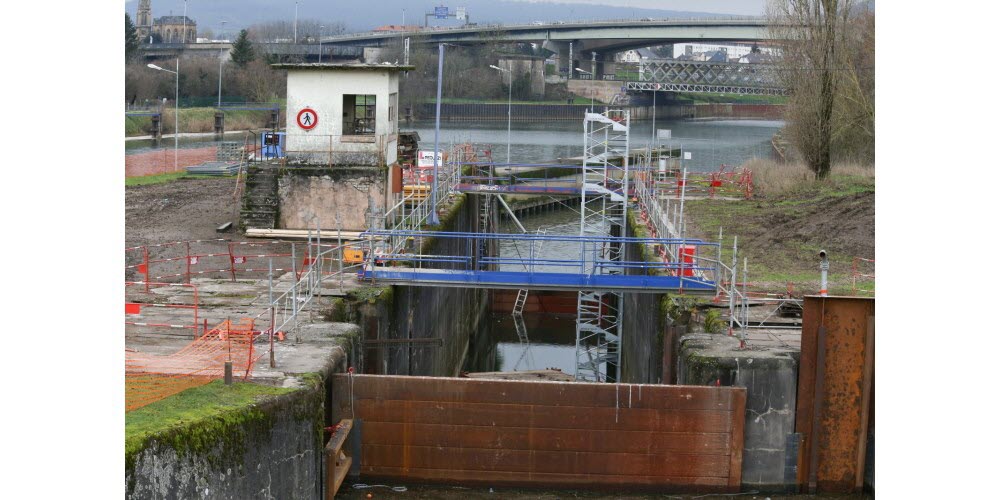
x: 166, y: 29
x: 636, y: 55
x: 711, y: 52
x: 757, y: 58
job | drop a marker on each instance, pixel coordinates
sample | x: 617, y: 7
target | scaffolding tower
x: 604, y: 195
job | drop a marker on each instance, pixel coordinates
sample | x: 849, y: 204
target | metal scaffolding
x: 602, y: 211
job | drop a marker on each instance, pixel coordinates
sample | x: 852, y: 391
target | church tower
x: 144, y: 21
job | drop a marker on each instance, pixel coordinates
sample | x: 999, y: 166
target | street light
x: 222, y: 57
x: 321, y: 42
x: 510, y: 93
x: 591, y: 92
x: 177, y: 90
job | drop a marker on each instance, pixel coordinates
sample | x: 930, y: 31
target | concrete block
x: 770, y: 377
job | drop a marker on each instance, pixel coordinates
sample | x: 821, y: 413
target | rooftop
x: 344, y: 66
x: 174, y: 20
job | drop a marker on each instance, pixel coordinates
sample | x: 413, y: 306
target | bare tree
x: 309, y: 30
x: 814, y: 67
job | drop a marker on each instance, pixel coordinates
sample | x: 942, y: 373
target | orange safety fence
x: 161, y: 161
x: 152, y: 377
x: 727, y: 181
x: 180, y: 261
x: 865, y: 270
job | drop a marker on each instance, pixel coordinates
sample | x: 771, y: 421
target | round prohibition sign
x: 307, y: 118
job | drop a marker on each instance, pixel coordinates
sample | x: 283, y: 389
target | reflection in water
x: 550, y: 339
x: 551, y: 343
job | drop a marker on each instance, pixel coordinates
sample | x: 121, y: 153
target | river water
x: 711, y: 143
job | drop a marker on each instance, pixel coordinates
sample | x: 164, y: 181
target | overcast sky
x: 744, y: 7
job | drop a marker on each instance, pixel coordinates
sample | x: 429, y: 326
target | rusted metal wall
x: 835, y: 403
x: 551, y: 434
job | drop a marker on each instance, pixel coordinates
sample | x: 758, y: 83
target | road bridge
x: 599, y: 36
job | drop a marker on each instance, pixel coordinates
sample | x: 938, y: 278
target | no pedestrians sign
x: 307, y: 118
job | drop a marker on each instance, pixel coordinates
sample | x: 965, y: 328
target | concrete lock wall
x: 311, y: 197
x: 642, y: 350
x: 770, y: 380
x: 421, y: 312
x: 323, y: 91
x: 544, y: 434
x: 273, y: 450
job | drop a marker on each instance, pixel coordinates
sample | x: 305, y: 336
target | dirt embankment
x: 186, y: 209
x: 781, y: 234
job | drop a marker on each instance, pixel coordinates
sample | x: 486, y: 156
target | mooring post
x: 270, y: 302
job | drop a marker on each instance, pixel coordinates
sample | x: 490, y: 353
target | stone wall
x: 308, y: 197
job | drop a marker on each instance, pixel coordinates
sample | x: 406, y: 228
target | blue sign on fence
x: 441, y: 12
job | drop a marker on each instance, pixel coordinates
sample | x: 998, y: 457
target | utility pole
x: 433, y: 216
x: 184, y: 29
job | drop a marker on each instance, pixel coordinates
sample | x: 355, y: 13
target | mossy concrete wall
x: 643, y: 322
x: 271, y: 449
x: 642, y: 325
x: 770, y: 377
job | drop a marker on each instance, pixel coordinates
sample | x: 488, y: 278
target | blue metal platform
x: 588, y: 270
x: 535, y: 280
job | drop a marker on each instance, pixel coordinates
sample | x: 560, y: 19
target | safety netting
x: 152, y: 377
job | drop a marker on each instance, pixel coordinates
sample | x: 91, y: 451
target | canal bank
x: 528, y: 112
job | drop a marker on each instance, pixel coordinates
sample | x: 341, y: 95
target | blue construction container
x: 272, y: 145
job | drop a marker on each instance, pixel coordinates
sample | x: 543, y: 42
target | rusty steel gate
x: 544, y: 434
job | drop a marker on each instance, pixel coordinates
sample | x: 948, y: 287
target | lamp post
x: 177, y: 90
x: 222, y: 57
x: 295, y: 25
x: 591, y: 92
x: 433, y: 216
x: 184, y: 26
x: 510, y: 93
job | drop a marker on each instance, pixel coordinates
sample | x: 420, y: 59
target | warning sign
x: 307, y: 118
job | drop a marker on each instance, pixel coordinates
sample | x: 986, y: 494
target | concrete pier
x: 769, y: 372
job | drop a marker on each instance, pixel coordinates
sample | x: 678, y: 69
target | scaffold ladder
x: 603, y: 199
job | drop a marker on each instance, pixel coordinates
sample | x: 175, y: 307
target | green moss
x: 370, y: 293
x: 193, y: 421
x: 338, y: 311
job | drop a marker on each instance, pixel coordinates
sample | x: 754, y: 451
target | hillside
x: 782, y: 230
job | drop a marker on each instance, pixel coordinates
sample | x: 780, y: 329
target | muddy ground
x: 186, y: 209
x: 781, y: 235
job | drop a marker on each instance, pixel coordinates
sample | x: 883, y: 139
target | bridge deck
x: 535, y: 280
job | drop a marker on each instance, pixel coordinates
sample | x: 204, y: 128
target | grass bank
x: 214, y: 400
x: 196, y: 120
x: 791, y: 218
x: 725, y: 98
x: 162, y: 178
